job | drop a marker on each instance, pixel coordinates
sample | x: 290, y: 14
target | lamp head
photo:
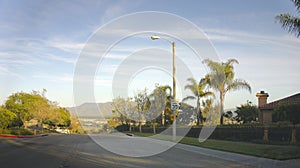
x: 155, y: 37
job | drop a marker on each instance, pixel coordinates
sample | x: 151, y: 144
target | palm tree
x: 198, y: 90
x: 222, y: 79
x: 289, y: 22
x: 166, y: 90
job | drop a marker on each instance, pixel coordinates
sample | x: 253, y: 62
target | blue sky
x: 40, y: 42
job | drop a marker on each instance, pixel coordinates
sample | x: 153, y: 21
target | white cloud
x: 66, y: 45
x: 224, y: 35
x: 55, y: 78
x: 6, y: 72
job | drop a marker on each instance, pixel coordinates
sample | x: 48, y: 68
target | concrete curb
x: 22, y: 136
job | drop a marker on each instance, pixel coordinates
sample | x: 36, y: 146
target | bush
x: 287, y: 112
x: 15, y: 132
x: 122, y: 128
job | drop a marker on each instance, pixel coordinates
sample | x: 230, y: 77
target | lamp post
x: 174, y: 79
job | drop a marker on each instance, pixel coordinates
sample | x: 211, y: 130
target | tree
x: 287, y: 112
x: 289, y: 22
x: 142, y: 100
x: 246, y: 113
x: 28, y: 106
x: 22, y: 105
x: 58, y: 117
x: 124, y: 110
x: 186, y: 116
x: 158, y: 103
x: 165, y: 91
x: 199, y: 91
x: 207, y: 107
x: 7, y: 118
x: 75, y: 126
x: 41, y: 106
x: 222, y: 79
x: 35, y: 105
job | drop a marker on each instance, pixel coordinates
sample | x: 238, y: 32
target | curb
x: 22, y: 136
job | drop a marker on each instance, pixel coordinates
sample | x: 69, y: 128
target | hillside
x: 92, y: 110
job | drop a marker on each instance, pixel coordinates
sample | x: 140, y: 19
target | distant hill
x: 92, y: 110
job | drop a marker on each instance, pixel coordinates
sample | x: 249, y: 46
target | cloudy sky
x: 41, y: 43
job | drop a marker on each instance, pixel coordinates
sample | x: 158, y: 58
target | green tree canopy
x: 287, y: 112
x: 23, y: 105
x: 7, y: 118
x: 35, y: 105
x: 246, y: 113
x: 58, y: 116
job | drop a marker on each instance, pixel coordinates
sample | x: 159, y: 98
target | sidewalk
x: 240, y: 158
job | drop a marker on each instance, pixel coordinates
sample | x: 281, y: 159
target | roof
x: 294, y: 99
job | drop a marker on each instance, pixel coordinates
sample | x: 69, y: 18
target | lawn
x: 279, y: 152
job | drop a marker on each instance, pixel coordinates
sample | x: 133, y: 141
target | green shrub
x: 15, y: 132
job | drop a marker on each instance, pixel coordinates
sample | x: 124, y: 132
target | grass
x: 15, y: 131
x: 278, y: 152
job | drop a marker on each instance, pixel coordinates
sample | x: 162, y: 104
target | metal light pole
x: 174, y: 80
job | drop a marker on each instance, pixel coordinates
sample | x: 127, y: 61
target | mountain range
x: 92, y: 110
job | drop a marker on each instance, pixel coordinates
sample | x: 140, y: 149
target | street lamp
x: 174, y: 79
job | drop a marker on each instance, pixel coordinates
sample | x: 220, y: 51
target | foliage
x: 143, y: 104
x: 153, y: 108
x: 22, y: 105
x: 7, y: 118
x: 207, y: 106
x: 186, y: 115
x: 287, y: 112
x: 199, y: 91
x: 35, y: 105
x: 157, y: 102
x: 75, y: 126
x: 122, y: 128
x: 59, y: 116
x: 246, y: 113
x: 14, y: 131
x: 124, y: 111
x: 279, y: 152
x: 159, y: 111
x: 221, y: 78
x: 289, y: 22
x: 165, y: 91
x: 212, y: 114
x: 113, y: 123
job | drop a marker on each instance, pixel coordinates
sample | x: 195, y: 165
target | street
x: 59, y: 151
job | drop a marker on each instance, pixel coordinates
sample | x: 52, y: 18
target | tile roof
x: 294, y: 99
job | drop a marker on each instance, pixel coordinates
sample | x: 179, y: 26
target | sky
x: 41, y: 43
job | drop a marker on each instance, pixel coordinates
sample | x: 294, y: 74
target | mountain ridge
x: 92, y: 110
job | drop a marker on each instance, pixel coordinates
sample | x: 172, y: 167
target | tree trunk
x: 140, y: 127
x: 24, y: 123
x: 163, y: 118
x: 140, y: 124
x: 198, y: 110
x: 222, y: 95
x: 154, y: 130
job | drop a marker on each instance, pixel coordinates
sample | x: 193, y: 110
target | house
x: 266, y: 109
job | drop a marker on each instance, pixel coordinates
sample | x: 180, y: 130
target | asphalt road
x: 59, y: 151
